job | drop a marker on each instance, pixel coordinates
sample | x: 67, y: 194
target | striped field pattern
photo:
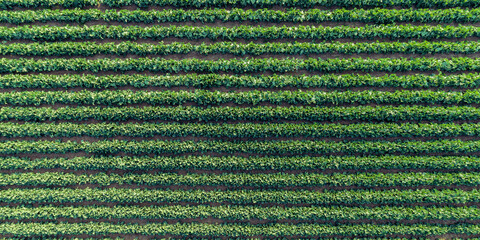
x: 239, y: 119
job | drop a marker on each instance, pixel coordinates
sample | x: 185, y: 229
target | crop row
x: 187, y: 113
x: 156, y: 32
x: 294, y: 3
x: 25, y: 65
x: 9, y: 4
x: 204, y: 238
x: 124, y: 195
x: 92, y: 48
x: 239, y: 130
x: 230, y: 212
x: 229, y: 163
x: 205, y: 97
x: 252, y: 147
x: 470, y: 80
x: 377, y: 15
x: 274, y: 180
x: 231, y: 230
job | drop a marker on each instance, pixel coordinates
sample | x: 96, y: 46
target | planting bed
x: 296, y: 119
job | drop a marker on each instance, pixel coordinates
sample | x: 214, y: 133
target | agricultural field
x: 240, y: 119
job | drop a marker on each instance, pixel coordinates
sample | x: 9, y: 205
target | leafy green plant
x: 203, y: 97
x: 294, y: 113
x: 233, y: 163
x: 155, y: 32
x: 240, y: 180
x: 469, y: 80
x: 376, y: 15
x: 123, y: 196
x: 293, y: 3
x: 230, y: 230
x: 232, y: 212
x: 246, y: 65
x: 241, y: 130
x: 10, y: 4
x: 251, y: 147
x: 296, y: 48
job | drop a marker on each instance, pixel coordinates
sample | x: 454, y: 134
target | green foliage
x: 121, y: 196
x: 289, y: 147
x: 10, y: 4
x: 294, y: 3
x: 262, y: 113
x: 376, y: 15
x: 240, y: 130
x: 156, y: 32
x: 232, y: 212
x: 231, y: 230
x: 246, y: 65
x: 470, y: 80
x: 204, y: 97
x: 229, y: 163
x: 273, y: 180
x: 295, y: 48
x: 254, y: 162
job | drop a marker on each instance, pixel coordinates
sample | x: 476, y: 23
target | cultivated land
x: 230, y: 119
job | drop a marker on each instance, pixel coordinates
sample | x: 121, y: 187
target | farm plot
x: 296, y: 119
